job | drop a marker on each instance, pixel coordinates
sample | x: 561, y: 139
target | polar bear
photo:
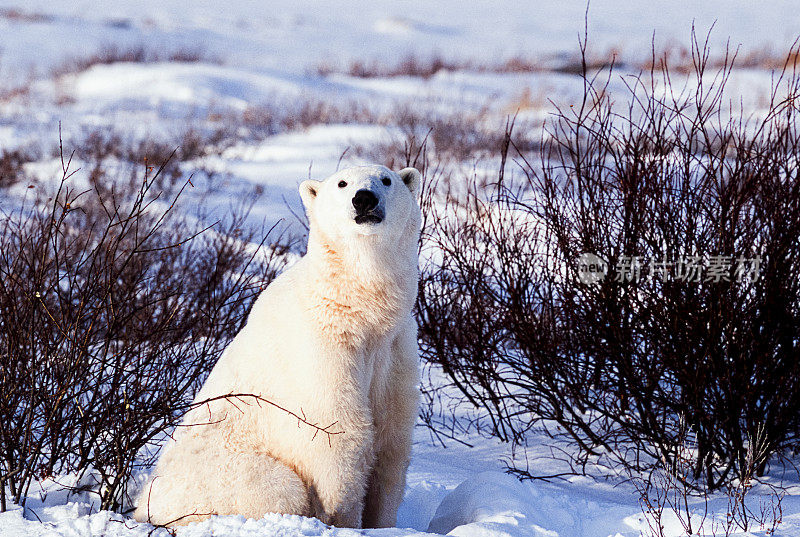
x: 331, y: 339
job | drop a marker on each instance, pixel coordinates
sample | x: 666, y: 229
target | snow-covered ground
x: 259, y: 57
x: 460, y: 491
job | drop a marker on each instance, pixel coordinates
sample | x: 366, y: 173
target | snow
x: 494, y: 504
x: 460, y: 491
x: 266, y: 54
x: 290, y: 35
x: 179, y: 82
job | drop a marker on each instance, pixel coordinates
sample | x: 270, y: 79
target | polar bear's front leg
x: 395, y: 415
x: 341, y: 477
x: 337, y: 466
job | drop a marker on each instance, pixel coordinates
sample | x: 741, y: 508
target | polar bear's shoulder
x: 280, y: 293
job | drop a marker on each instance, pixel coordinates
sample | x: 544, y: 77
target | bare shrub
x: 115, y: 307
x: 411, y: 65
x: 312, y: 112
x: 272, y: 118
x: 110, y: 54
x: 447, y: 137
x: 668, y: 491
x: 426, y: 67
x: 13, y: 92
x: 680, y: 59
x: 668, y: 179
x: 100, y: 147
x: 11, y: 166
x: 97, y: 145
x: 18, y: 15
x: 451, y: 137
x: 677, y: 55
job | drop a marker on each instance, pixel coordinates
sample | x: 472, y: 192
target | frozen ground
x: 258, y: 56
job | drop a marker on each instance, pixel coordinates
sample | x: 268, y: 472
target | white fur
x: 333, y: 338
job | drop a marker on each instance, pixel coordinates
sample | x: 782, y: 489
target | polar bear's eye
x: 342, y: 184
x: 387, y: 181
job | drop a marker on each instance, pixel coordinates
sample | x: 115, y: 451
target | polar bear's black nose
x: 364, y: 201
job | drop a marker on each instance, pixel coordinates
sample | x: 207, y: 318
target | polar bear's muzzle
x: 367, y: 206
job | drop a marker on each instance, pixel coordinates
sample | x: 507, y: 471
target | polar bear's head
x: 367, y: 201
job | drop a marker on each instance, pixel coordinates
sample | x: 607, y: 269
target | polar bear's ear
x: 411, y: 177
x: 308, y: 192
